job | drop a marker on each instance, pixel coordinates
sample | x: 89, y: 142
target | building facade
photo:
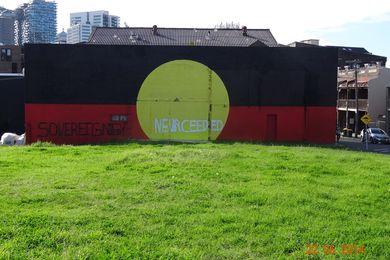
x: 79, y: 33
x: 114, y: 21
x: 36, y: 22
x: 388, y: 109
x: 95, y: 18
x: 11, y: 59
x: 368, y: 96
x: 81, y: 24
x: 7, y: 19
x: 84, y: 93
x: 61, y: 37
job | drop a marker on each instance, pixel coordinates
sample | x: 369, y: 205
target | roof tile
x: 182, y: 37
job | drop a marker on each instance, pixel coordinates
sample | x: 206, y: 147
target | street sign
x: 366, y: 119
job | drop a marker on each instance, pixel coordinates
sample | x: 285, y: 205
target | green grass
x: 209, y: 201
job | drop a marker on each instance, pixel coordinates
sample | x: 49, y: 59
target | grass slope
x: 192, y: 201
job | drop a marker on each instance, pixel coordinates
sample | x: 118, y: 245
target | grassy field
x: 193, y: 201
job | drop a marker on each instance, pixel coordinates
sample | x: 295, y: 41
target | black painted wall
x: 12, y: 105
x: 86, y: 74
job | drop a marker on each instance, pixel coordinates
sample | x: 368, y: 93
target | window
x: 120, y: 118
x: 6, y: 54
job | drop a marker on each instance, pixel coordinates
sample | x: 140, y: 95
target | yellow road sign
x: 366, y: 119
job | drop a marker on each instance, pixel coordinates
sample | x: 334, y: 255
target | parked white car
x: 375, y: 136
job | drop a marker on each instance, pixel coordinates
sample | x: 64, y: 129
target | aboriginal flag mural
x: 92, y: 94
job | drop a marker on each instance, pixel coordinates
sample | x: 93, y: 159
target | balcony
x: 342, y: 104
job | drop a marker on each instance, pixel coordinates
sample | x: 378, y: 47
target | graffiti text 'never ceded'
x: 168, y: 125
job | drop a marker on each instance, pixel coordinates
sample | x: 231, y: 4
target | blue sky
x: 374, y: 36
x: 358, y: 23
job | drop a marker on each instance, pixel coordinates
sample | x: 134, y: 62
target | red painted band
x: 78, y: 124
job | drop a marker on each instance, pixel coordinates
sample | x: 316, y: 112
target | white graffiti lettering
x: 167, y: 125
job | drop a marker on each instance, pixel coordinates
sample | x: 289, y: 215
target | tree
x: 226, y: 25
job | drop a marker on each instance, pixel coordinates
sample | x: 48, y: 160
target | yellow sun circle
x: 182, y: 100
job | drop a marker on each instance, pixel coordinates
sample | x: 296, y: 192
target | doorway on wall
x: 272, y: 127
x: 14, y: 67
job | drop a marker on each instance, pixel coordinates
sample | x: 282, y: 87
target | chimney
x: 208, y: 35
x: 154, y: 30
x: 244, y: 31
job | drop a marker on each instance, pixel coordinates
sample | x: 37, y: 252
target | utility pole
x: 356, y: 67
x: 346, y: 109
x: 388, y: 110
x: 356, y: 100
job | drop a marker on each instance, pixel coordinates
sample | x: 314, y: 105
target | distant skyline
x: 357, y: 23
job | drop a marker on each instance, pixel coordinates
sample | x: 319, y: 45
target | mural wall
x: 90, y: 94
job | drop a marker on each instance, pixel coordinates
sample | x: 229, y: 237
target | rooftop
x: 183, y: 37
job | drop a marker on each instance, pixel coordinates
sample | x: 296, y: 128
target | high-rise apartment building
x: 79, y: 33
x: 95, y: 18
x: 81, y: 24
x: 36, y: 22
x: 114, y: 21
x: 7, y: 19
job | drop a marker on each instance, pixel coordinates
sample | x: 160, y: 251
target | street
x: 356, y: 144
